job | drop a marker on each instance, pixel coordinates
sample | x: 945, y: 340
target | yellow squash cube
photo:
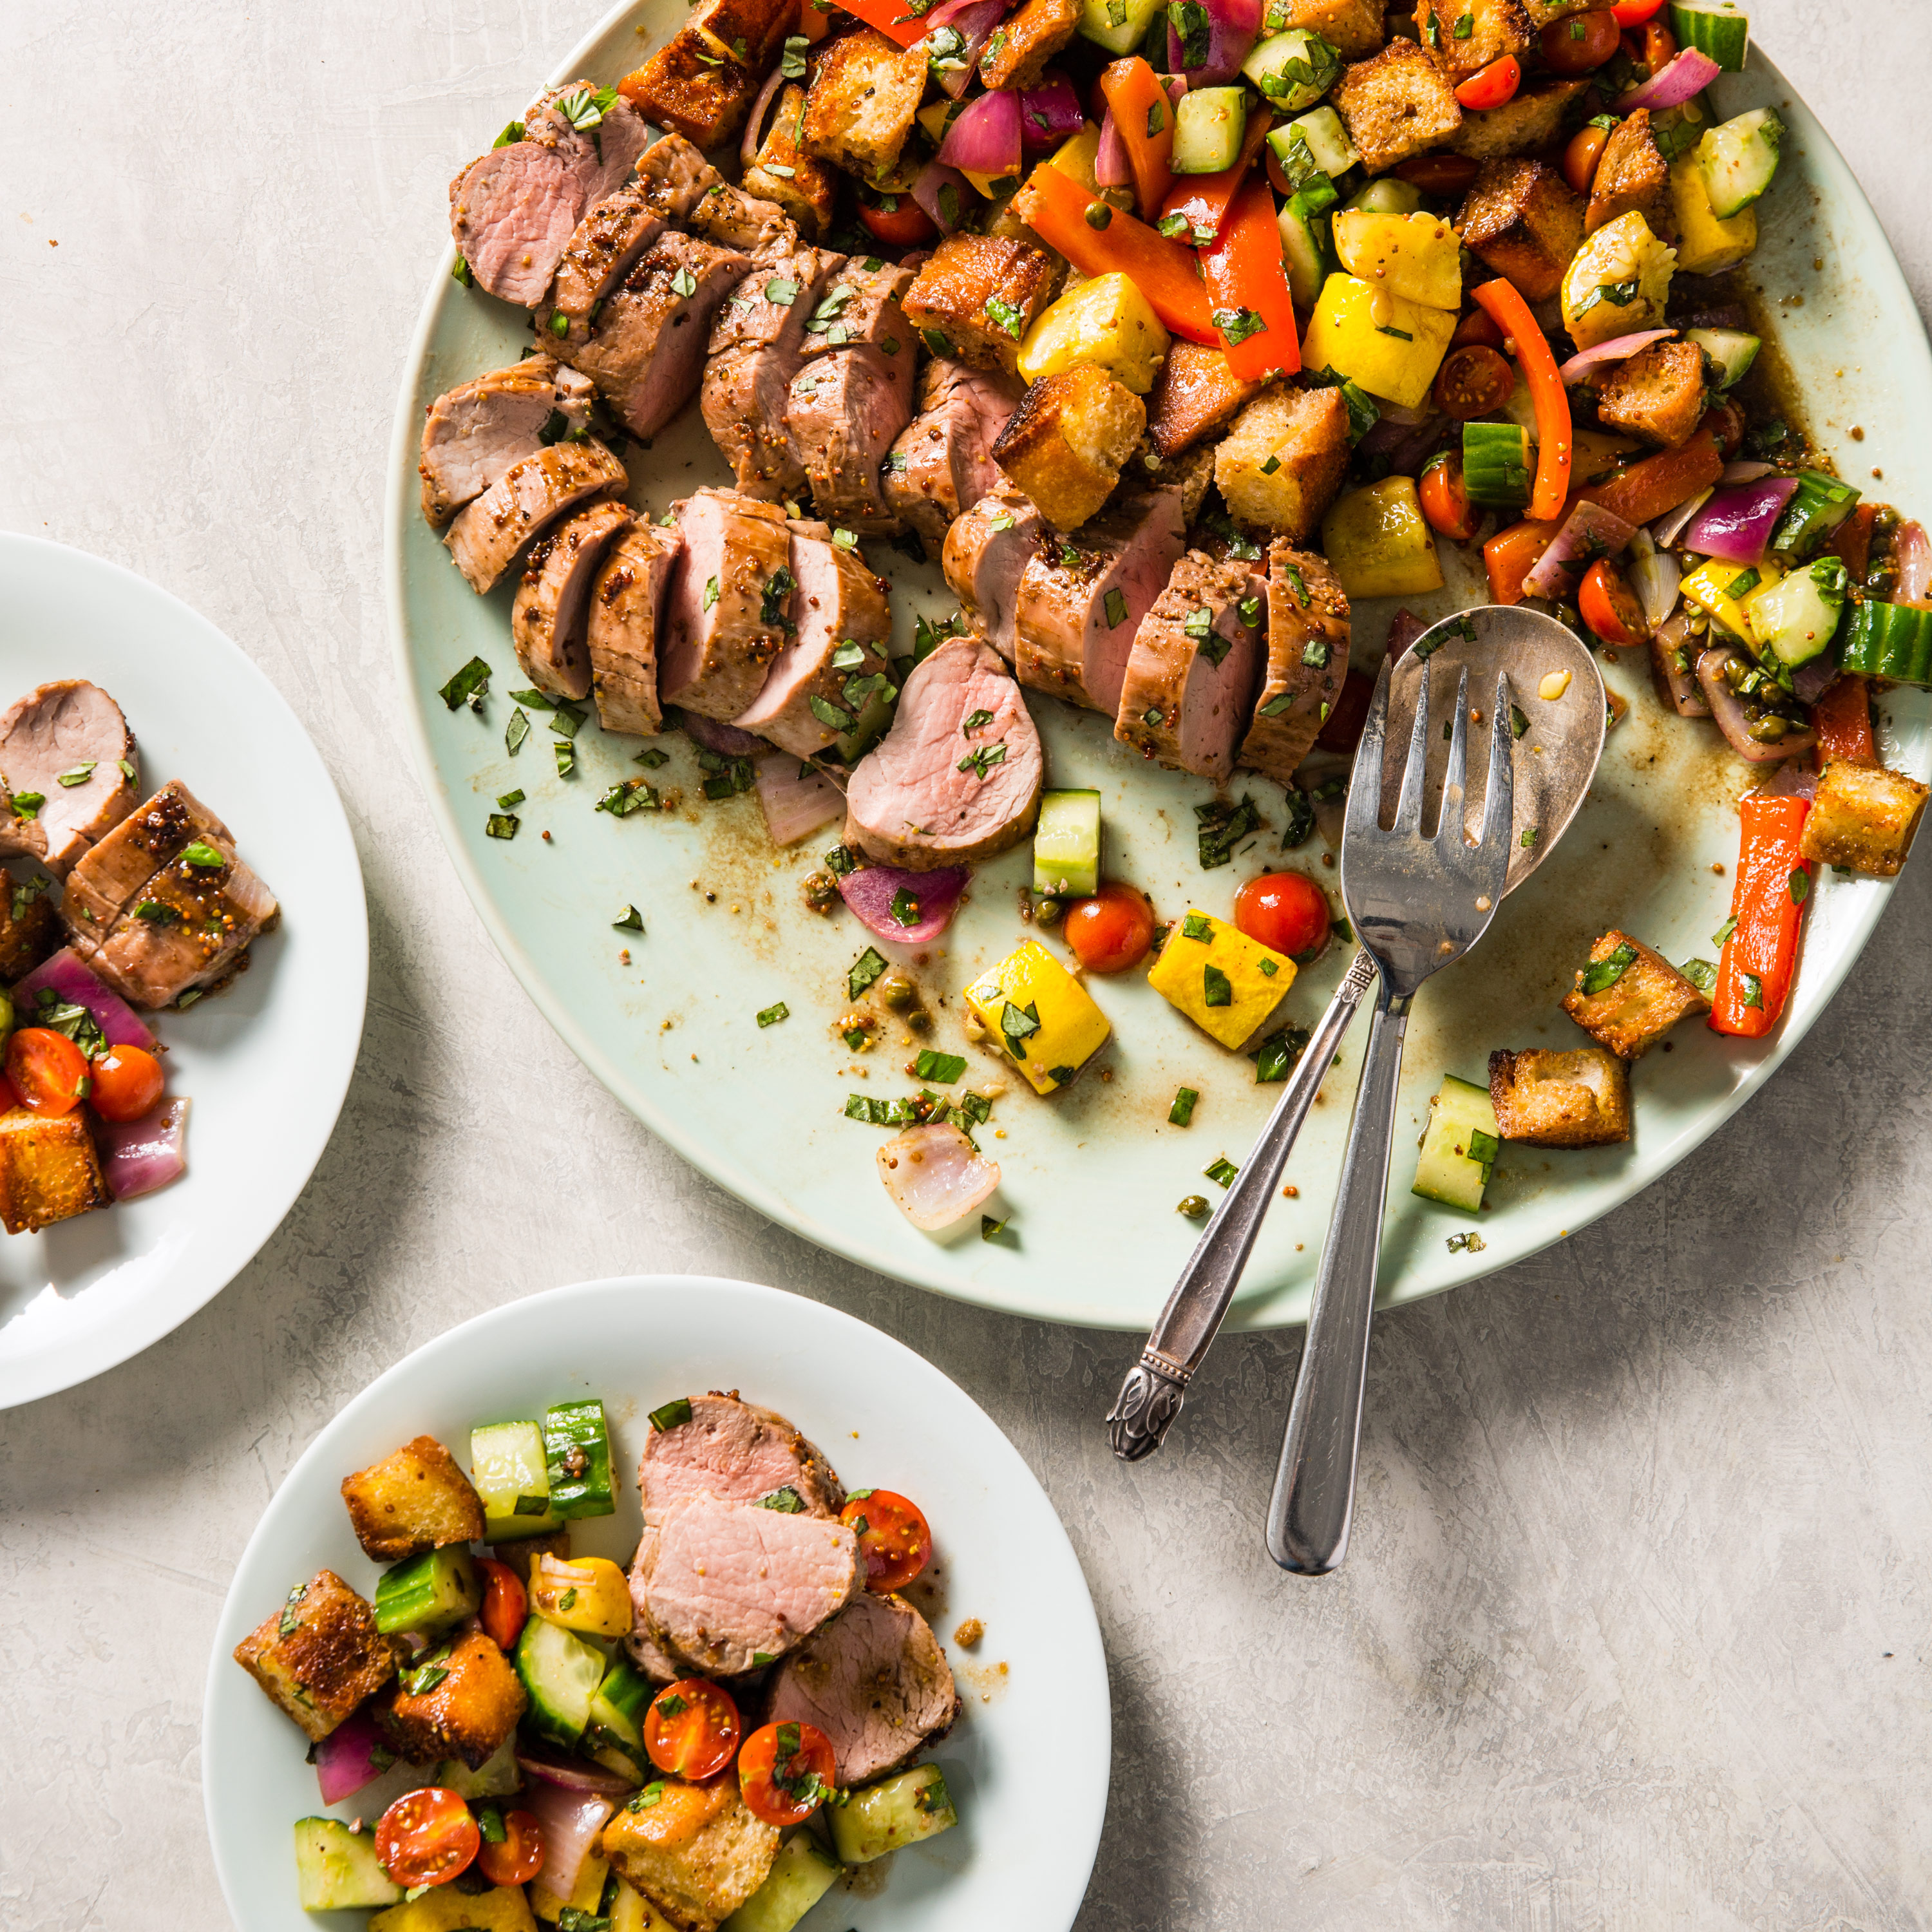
x: 1378, y: 542
x: 1106, y: 324
x: 1417, y: 257
x: 1079, y: 155
x: 443, y: 1909
x: 1227, y: 984
x: 1706, y: 245
x: 1710, y: 588
x: 1617, y: 282
x: 587, y: 1593
x: 1391, y: 346
x: 1040, y: 1014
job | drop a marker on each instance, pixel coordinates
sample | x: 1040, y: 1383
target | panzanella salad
x: 715, y: 1739
x: 1177, y: 333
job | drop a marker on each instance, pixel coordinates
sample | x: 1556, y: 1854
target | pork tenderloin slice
x: 626, y: 620
x: 603, y: 150
x: 942, y: 463
x: 733, y: 219
x: 843, y: 413
x: 695, y: 1852
x: 1081, y: 601
x: 641, y: 1644
x: 549, y: 620
x: 861, y: 310
x: 603, y: 249
x: 21, y: 835
x: 875, y: 1681
x: 187, y: 928
x: 473, y: 433
x: 512, y: 211
x: 987, y: 550
x: 730, y: 612
x: 69, y: 730
x: 738, y: 1451
x: 910, y: 803
x: 1307, y: 660
x: 676, y: 177
x: 490, y: 534
x: 110, y: 877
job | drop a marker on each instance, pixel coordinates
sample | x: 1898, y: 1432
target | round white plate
x: 1028, y: 1760
x: 267, y: 1063
x: 1093, y: 1175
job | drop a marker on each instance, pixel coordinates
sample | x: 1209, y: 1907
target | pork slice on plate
x: 642, y: 1647
x: 875, y: 1681
x: 844, y: 412
x: 67, y: 744
x: 861, y: 310
x: 689, y: 192
x: 615, y: 134
x: 730, y: 612
x: 550, y: 618
x: 21, y: 835
x: 626, y: 620
x: 109, y: 878
x: 942, y: 463
x: 603, y: 249
x: 489, y: 534
x: 987, y: 550
x: 947, y: 784
x: 474, y: 432
x: 1307, y: 660
x: 695, y: 1852
x: 736, y: 1450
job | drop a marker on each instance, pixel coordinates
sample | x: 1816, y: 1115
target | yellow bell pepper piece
x: 585, y: 1897
x: 588, y: 1594
x: 1106, y: 324
x: 1079, y: 154
x: 1391, y: 346
x: 1041, y: 1014
x: 442, y: 1909
x: 1417, y: 257
x: 1708, y: 586
x: 632, y: 1911
x: 1705, y: 244
x: 1227, y: 984
x: 1378, y: 541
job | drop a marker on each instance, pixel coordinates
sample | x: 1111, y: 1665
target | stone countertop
x: 1631, y: 1634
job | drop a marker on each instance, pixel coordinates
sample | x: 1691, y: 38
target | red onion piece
x: 974, y: 20
x: 138, y: 1156
x: 66, y: 975
x: 345, y: 1760
x: 934, y: 1178
x: 869, y: 892
x: 1672, y: 84
x: 797, y: 798
x: 1793, y: 779
x: 1618, y: 349
x: 1111, y: 168
x: 1744, y: 472
x: 1728, y: 709
x: 1403, y: 446
x: 575, y: 1773
x: 1050, y: 113
x: 1669, y: 527
x: 1912, y: 551
x: 568, y: 1822
x: 1404, y: 628
x: 1233, y: 28
x: 755, y: 128
x: 1736, y: 524
x: 727, y: 740
x: 1679, y: 687
x: 927, y: 190
x: 984, y: 137
x: 1810, y: 680
x: 1591, y: 531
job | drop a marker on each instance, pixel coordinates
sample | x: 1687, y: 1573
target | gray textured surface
x: 1631, y: 1633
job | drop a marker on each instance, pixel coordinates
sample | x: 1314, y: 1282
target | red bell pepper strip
x: 1547, y: 395
x: 1247, y: 289
x: 1852, y: 541
x: 1202, y: 201
x: 1055, y: 206
x: 1842, y: 718
x: 1144, y: 119
x: 1645, y: 490
x: 1774, y: 885
x: 893, y: 18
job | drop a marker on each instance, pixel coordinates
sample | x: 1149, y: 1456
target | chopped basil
x: 975, y: 721
x: 1753, y: 990
x: 1182, y: 1111
x: 935, y: 340
x: 1236, y: 325
x: 157, y: 914
x: 684, y: 283
x: 1198, y: 623
x: 983, y: 759
x: 905, y: 907
x: 863, y: 971
x: 773, y: 1015
x: 470, y: 685
x: 1197, y: 926
x: 1270, y: 968
x: 630, y: 795
x: 1702, y: 973
x: 460, y: 272
x: 1799, y: 886
x: 1606, y: 971
x: 829, y: 714
x: 781, y: 292
x: 1221, y: 1170
x: 1116, y: 609
x: 792, y: 64
x: 1531, y: 834
x: 1154, y: 717
x: 1465, y: 26
x: 1214, y: 647
x: 1270, y: 466
x: 840, y: 860
x: 77, y: 1022
x: 1250, y: 609
x: 1001, y: 519
x: 560, y: 323
x: 1017, y: 1024
x: 1386, y: 329
x: 25, y: 891
x: 629, y: 920
x: 1300, y: 818
x: 203, y: 856
x: 1172, y: 226
x: 653, y: 1792
x: 854, y: 1037
x: 288, y: 1622
x: 786, y: 1501
x: 502, y: 825
x: 1279, y: 1053
x: 1006, y: 315
x: 508, y: 801
x: 1193, y: 28
x: 710, y: 591
x: 673, y: 1413
x: 1724, y: 931
x: 565, y: 718
x: 78, y: 775
x: 989, y: 1229
x: 513, y: 130
x: 517, y: 731
x: 566, y: 756
x: 1216, y: 988
x: 27, y: 804
x: 1221, y: 827
x: 778, y: 587
x: 945, y: 1068
x: 1276, y: 707
x: 535, y: 699
x: 651, y: 757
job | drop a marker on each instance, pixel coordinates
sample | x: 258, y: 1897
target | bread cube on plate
x: 684, y: 87
x: 975, y: 296
x: 1354, y: 27
x: 1470, y: 34
x: 1018, y: 49
x: 49, y: 1170
x: 694, y: 1851
x: 1279, y: 466
x: 860, y: 105
x: 1523, y: 219
x: 1065, y: 444
x: 1863, y: 818
x: 1526, y: 125
x: 1627, y: 997
x: 461, y: 1702
x: 783, y: 173
x: 320, y: 1656
x: 415, y: 1500
x: 1397, y: 104
x: 1658, y: 394
x: 1575, y: 1100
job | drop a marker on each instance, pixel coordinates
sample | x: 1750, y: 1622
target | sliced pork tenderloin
x: 603, y: 249
x: 986, y: 553
x: 737, y: 1450
x: 474, y: 432
x: 110, y: 877
x: 844, y: 412
x: 730, y: 612
x: 615, y: 137
x: 933, y: 793
x: 68, y: 742
x: 490, y: 534
x: 861, y: 310
x: 942, y: 463
x: 549, y: 620
x: 1307, y: 661
x: 625, y: 622
x: 689, y: 192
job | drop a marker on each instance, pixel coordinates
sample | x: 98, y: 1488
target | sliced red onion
x: 1669, y: 527
x: 1744, y: 472
x: 1233, y: 28
x: 1672, y: 84
x: 1619, y: 349
x: 64, y: 974
x: 1050, y: 113
x: 1912, y: 551
x: 974, y: 21
x: 354, y: 1754
x: 755, y: 128
x: 568, y: 1822
x: 930, y: 190
x: 1812, y: 679
x: 1111, y: 168
x: 870, y: 891
x: 1728, y: 709
x: 575, y: 1773
x: 727, y: 740
x: 1678, y: 686
x: 984, y: 136
x: 1736, y: 524
x: 798, y: 798
x: 138, y: 1156
x: 934, y: 1176
x: 1591, y: 531
x: 1405, y: 627
x: 1654, y: 578
x: 1792, y: 779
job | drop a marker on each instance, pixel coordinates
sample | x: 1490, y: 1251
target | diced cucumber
x: 1066, y: 844
x: 1890, y: 640
x: 1821, y: 505
x: 895, y: 1812
x: 497, y: 1776
x: 1713, y: 27
x: 1459, y: 1146
x: 1305, y: 240
x: 801, y: 1875
x: 1208, y: 124
x: 1797, y: 617
x: 337, y: 1870
x: 577, y: 1460
x: 1118, y: 25
x: 506, y: 1464
x: 1388, y: 195
x: 429, y: 1593
x: 1496, y: 464
x: 1294, y: 70
x: 1326, y: 139
x: 614, y: 1733
x: 561, y: 1671
x: 1731, y: 349
x: 1676, y: 131
x: 1738, y: 160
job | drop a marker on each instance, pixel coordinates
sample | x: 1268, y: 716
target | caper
x: 919, y: 1020
x: 896, y: 990
x: 1195, y: 1207
x: 1048, y: 912
x: 821, y: 892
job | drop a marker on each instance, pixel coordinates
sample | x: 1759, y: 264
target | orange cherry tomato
x: 505, y: 1603
x: 1473, y: 382
x: 692, y: 1729
x: 426, y: 1838
x: 1341, y: 729
x: 1440, y: 175
x: 1286, y: 910
x: 893, y: 1536
x: 1510, y: 555
x: 1494, y: 86
x: 1609, y: 606
x: 1479, y: 328
x: 520, y: 1856
x: 127, y: 1083
x: 1579, y: 43
x: 1654, y: 44
x: 1634, y: 13
x: 904, y: 225
x: 1445, y: 501
x: 1111, y: 931
x: 1580, y: 158
x: 785, y: 1771
x: 47, y: 1071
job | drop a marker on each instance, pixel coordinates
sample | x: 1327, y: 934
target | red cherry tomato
x: 1494, y: 86
x: 1445, y: 501
x: 1653, y: 47
x: 1286, y: 910
x: 1579, y: 43
x: 426, y: 1838
x: 9, y: 1100
x: 1473, y: 382
x: 1341, y: 729
x: 692, y: 1729
x: 47, y: 1071
x: 893, y: 1536
x: 1111, y: 931
x: 786, y: 1790
x: 505, y: 1603
x: 1634, y: 13
x: 1609, y: 606
x: 1728, y: 423
x: 127, y: 1083
x: 520, y: 1857
x: 904, y: 225
x: 1479, y: 328
x: 1580, y: 158
x: 1440, y: 175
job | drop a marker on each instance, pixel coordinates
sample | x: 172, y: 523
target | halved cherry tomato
x: 893, y: 1537
x: 1341, y: 729
x: 1479, y: 328
x: 1112, y: 930
x: 904, y: 225
x: 49, y: 1072
x: 1441, y: 175
x: 1580, y: 158
x: 127, y: 1083
x: 692, y: 1729
x: 1609, y: 606
x: 9, y: 1100
x: 1286, y: 910
x: 1634, y: 13
x: 1445, y: 501
x: 426, y: 1838
x: 1510, y: 555
x: 1473, y: 382
x: 814, y: 23
x: 785, y: 1771
x: 1494, y: 86
x: 519, y: 1857
x: 1652, y: 46
x: 505, y: 1603
x: 1580, y: 42
x: 1727, y: 422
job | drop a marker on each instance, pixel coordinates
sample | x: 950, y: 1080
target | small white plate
x: 265, y: 1064
x: 1027, y: 1762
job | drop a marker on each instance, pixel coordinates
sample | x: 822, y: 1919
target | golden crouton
x: 1632, y: 173
x: 1195, y: 394
x: 1470, y: 34
x: 49, y: 1170
x: 1560, y: 1099
x: 1657, y: 395
x: 1065, y: 444
x: 784, y: 173
x: 1523, y: 219
x: 1396, y: 105
x: 1017, y: 49
x: 1523, y: 126
x: 975, y: 296
x: 860, y: 106
x: 1542, y: 12
x: 29, y: 931
x: 694, y: 1850
x: 1628, y: 997
x: 1279, y: 468
x: 749, y: 33
x: 522, y: 1556
x: 1353, y: 27
x: 320, y: 1656
x: 416, y: 1500
x: 685, y: 86
x: 1863, y: 817
x: 461, y: 1702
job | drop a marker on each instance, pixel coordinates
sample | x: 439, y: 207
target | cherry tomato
x: 1494, y: 86
x: 520, y: 1857
x: 1341, y: 729
x: 1580, y: 158
x: 1580, y: 42
x: 893, y: 1537
x: 9, y: 1100
x: 127, y: 1083
x: 1478, y: 328
x: 1473, y: 382
x: 1610, y: 605
x: 1287, y: 910
x: 1510, y: 555
x: 814, y: 26
x: 788, y: 1790
x: 1441, y: 175
x: 1657, y: 45
x: 426, y: 1838
x: 1445, y: 502
x: 904, y: 225
x: 692, y: 1729
x: 1111, y: 931
x: 505, y: 1603
x: 1727, y: 421
x: 1634, y: 13
x: 47, y: 1071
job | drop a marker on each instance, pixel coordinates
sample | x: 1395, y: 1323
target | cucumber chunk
x: 498, y: 1776
x: 896, y: 1811
x: 1066, y: 844
x: 1388, y: 195
x: 1797, y: 617
x: 1713, y: 27
x: 1307, y: 241
x: 1731, y: 349
x: 507, y: 1465
x: 1820, y: 505
x: 1890, y: 640
x: 337, y: 1869
x: 577, y: 1460
x: 429, y: 1594
x: 1496, y: 464
x: 562, y: 1673
x: 1118, y: 25
x: 613, y: 1731
x: 801, y: 1875
x: 1459, y: 1146
x: 1208, y: 124
x: 1738, y: 160
x: 1325, y: 138
x: 1294, y: 70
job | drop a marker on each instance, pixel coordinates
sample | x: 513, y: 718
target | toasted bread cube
x: 1523, y: 219
x: 1542, y: 12
x: 1017, y: 49
x: 695, y: 1851
x: 783, y: 173
x: 1864, y: 817
x: 860, y: 106
x: 416, y: 1500
x: 975, y: 296
x: 1573, y: 1099
x: 1657, y: 395
x: 1279, y: 466
x: 49, y: 1171
x: 1354, y: 27
x: 1065, y: 443
x: 1525, y: 125
x: 320, y: 1656
x: 685, y: 86
x: 30, y: 930
x: 1632, y: 173
x: 1634, y: 1009
x: 1195, y: 394
x: 749, y: 33
x: 466, y: 1711
x: 1396, y: 105
x: 1470, y: 34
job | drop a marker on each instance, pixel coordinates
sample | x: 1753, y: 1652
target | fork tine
x: 1451, y: 838
x: 1409, y: 806
x: 1499, y: 803
x: 1364, y: 811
